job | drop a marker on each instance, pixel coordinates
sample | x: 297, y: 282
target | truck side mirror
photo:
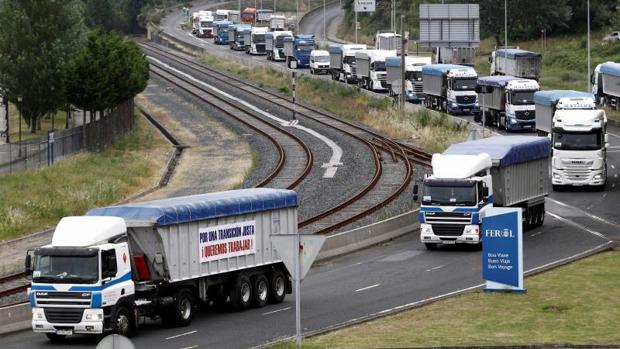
x: 478, y: 89
x: 415, y: 192
x: 28, y: 262
x: 606, y: 140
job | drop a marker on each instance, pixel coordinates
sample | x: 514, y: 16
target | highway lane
x: 313, y: 22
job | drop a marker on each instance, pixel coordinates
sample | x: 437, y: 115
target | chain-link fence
x: 93, y: 135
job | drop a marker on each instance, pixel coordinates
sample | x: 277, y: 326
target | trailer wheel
x: 122, y: 321
x: 431, y: 246
x: 260, y: 291
x: 277, y: 287
x: 241, y: 293
x: 541, y: 214
x: 181, y: 311
x: 55, y: 338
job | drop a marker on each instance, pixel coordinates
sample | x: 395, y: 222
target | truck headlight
x: 38, y: 314
x: 454, y: 105
x: 477, y: 104
x: 598, y: 176
x: 471, y: 229
x: 557, y: 176
x: 426, y: 229
x: 93, y: 315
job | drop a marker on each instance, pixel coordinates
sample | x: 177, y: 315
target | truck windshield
x: 578, y: 140
x: 259, y: 37
x: 378, y: 66
x: 522, y: 97
x: 79, y: 267
x: 349, y: 60
x: 449, y: 196
x: 464, y: 84
x: 305, y: 48
x: 321, y: 59
x: 206, y: 24
x: 414, y: 76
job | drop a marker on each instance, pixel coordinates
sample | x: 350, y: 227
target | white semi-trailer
x: 508, y: 101
x: 116, y: 265
x: 342, y: 61
x: 450, y: 88
x: 516, y: 62
x: 578, y: 133
x: 606, y: 84
x: 370, y: 69
x: 388, y: 41
x: 470, y: 177
x: 414, y: 89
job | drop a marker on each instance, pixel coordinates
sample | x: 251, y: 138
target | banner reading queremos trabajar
x: 228, y: 240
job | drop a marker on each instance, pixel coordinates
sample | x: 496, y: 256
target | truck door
x: 117, y: 284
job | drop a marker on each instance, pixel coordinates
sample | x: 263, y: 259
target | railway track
x: 13, y: 288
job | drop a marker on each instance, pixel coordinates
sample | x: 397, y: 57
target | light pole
x: 505, y: 33
x: 19, y: 123
x: 5, y: 100
x: 588, y: 77
x: 324, y: 31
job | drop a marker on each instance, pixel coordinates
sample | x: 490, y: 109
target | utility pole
x: 403, y: 44
x: 355, y: 25
x: 589, y: 63
x: 239, y: 8
x: 506, y: 32
x: 324, y: 31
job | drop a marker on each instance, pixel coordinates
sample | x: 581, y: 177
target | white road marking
x: 586, y: 213
x: 181, y: 335
x: 336, y: 157
x: 575, y: 224
x: 275, y: 311
x: 435, y: 268
x: 613, y: 135
x: 536, y: 234
x: 192, y: 347
x: 613, y: 166
x: 367, y: 288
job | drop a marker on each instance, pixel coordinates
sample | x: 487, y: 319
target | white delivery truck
x: 319, y: 62
x: 388, y: 41
x: 256, y: 42
x: 516, y: 62
x: 470, y: 177
x: 450, y: 88
x: 578, y: 134
x: 508, y: 102
x: 606, y: 84
x: 413, y: 76
x: 277, y: 23
x: 274, y: 44
x: 117, y: 265
x: 342, y: 61
x: 370, y: 69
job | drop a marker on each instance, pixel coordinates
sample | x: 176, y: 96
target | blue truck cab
x: 297, y: 50
x: 220, y: 37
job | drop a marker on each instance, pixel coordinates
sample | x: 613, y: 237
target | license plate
x: 449, y: 242
x: 64, y: 332
x: 466, y: 110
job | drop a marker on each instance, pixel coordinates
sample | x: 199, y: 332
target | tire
x: 531, y: 218
x: 260, y: 291
x: 241, y: 293
x: 288, y: 63
x: 311, y: 71
x: 277, y: 287
x: 556, y: 187
x: 181, y: 311
x: 541, y: 212
x: 55, y: 338
x: 122, y: 322
x: 431, y: 246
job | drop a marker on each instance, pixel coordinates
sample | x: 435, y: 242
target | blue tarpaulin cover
x: 222, y: 23
x: 392, y: 61
x: 610, y: 68
x: 440, y: 69
x: 512, y: 53
x: 550, y: 97
x: 201, y: 207
x: 335, y: 48
x: 506, y: 150
x: 496, y: 80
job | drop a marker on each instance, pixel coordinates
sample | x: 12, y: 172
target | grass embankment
x: 36, y: 199
x: 574, y: 304
x: 423, y: 129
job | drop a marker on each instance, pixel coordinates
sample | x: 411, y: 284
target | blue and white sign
x: 502, y: 249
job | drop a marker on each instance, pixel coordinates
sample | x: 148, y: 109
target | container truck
x: 578, y: 134
x: 236, y: 36
x: 606, y: 84
x: 342, y: 61
x: 454, y: 55
x: 516, y: 62
x: 234, y: 16
x: 508, y: 102
x: 115, y: 266
x: 248, y: 15
x: 255, y: 43
x: 370, y: 69
x: 297, y: 50
x: 220, y: 35
x: 274, y: 44
x: 263, y: 15
x: 413, y: 76
x: 319, y: 62
x: 277, y: 23
x: 450, y: 88
x: 205, y: 29
x: 221, y: 15
x: 388, y: 41
x: 470, y: 177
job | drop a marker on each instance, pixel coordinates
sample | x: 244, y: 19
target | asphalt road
x: 384, y: 278
x: 313, y: 23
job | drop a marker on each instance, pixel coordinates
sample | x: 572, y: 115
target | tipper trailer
x: 450, y: 88
x: 342, y: 61
x: 516, y: 62
x: 508, y: 101
x: 414, y: 89
x: 370, y: 69
x: 116, y: 265
x: 606, y: 84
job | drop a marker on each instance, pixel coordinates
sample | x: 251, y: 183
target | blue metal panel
x: 611, y: 68
x: 335, y: 48
x: 550, y: 97
x: 201, y: 207
x: 440, y: 69
x: 507, y: 150
x: 496, y: 80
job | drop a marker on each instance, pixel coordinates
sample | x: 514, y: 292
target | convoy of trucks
x: 450, y: 88
x: 370, y: 69
x: 470, y: 177
x: 606, y: 84
x: 516, y: 62
x: 274, y: 44
x: 297, y: 50
x: 414, y: 89
x: 508, y: 102
x: 342, y: 61
x: 578, y: 134
x: 117, y: 265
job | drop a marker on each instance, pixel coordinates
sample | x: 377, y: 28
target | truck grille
x: 448, y: 229
x: 418, y: 88
x: 448, y: 217
x: 525, y: 114
x: 63, y: 299
x: 466, y: 99
x: 260, y: 48
x: 64, y: 315
x: 577, y: 174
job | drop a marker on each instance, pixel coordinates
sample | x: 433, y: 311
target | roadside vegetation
x: 36, y: 199
x: 575, y: 304
x: 424, y: 129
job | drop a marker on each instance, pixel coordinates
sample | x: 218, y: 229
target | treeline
x: 526, y: 18
x: 53, y: 55
x: 128, y: 16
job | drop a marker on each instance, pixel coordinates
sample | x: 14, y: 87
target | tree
x: 37, y: 40
x: 103, y: 14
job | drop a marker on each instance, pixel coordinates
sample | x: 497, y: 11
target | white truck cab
x: 319, y: 62
x: 257, y: 41
x: 461, y: 89
x: 370, y: 68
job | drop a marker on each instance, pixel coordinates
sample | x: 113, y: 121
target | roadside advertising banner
x: 228, y: 240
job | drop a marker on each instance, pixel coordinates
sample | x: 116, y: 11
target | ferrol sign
x: 365, y: 5
x: 502, y: 249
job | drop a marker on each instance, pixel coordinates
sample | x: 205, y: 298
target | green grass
x: 46, y: 124
x: 36, y: 199
x: 576, y: 304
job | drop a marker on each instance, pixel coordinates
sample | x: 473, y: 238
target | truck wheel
x: 260, y: 291
x: 541, y: 213
x: 431, y: 246
x: 122, y: 322
x: 241, y: 293
x: 55, y: 338
x: 277, y: 287
x: 182, y: 310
